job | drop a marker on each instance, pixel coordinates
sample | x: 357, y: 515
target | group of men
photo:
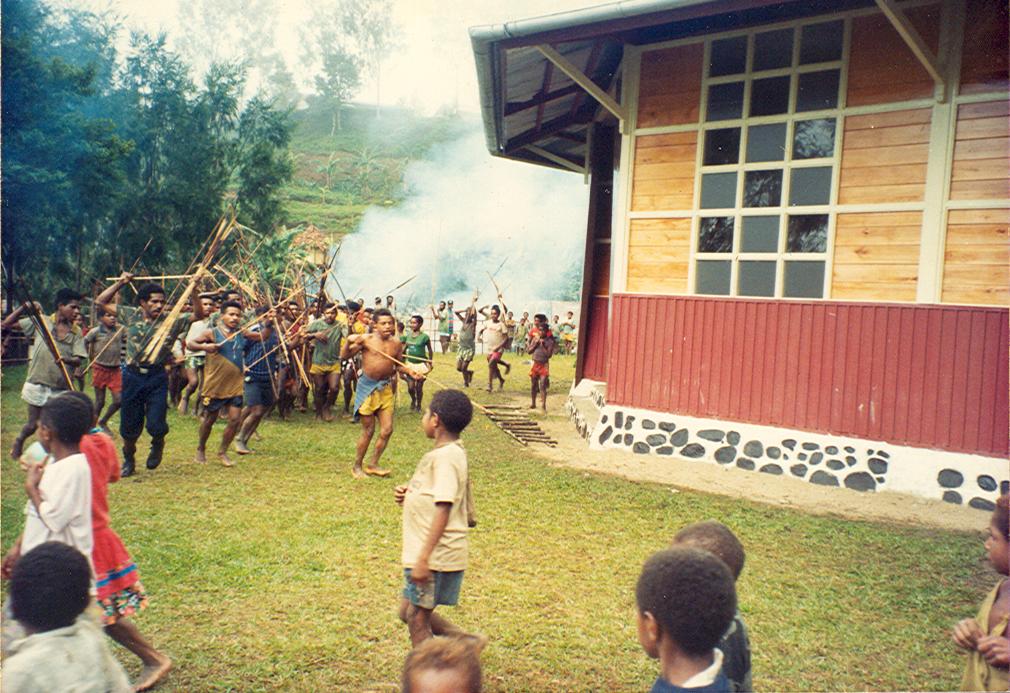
x: 243, y: 361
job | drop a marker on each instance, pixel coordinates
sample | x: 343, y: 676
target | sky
x: 433, y: 66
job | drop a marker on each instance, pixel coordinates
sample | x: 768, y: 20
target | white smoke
x: 466, y: 215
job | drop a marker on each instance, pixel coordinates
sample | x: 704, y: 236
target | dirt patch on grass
x: 688, y: 475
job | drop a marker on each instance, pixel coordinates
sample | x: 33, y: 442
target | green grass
x: 283, y: 573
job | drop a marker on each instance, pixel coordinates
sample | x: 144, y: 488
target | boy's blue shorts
x: 441, y: 588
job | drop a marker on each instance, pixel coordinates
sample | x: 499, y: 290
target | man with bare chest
x: 380, y: 351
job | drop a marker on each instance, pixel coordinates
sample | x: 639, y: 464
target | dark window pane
x: 725, y: 101
x: 729, y: 57
x: 766, y: 142
x: 773, y: 49
x: 715, y: 235
x: 810, y: 186
x: 804, y: 280
x: 808, y: 233
x: 722, y: 146
x: 718, y: 190
x: 712, y: 277
x: 760, y: 235
x: 813, y: 139
x: 762, y: 189
x: 821, y: 42
x: 817, y: 90
x: 756, y: 278
x: 769, y: 96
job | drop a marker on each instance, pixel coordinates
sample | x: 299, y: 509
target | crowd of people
x: 70, y: 574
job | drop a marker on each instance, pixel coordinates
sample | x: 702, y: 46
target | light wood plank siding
x: 659, y: 251
x: 984, y: 60
x: 981, y: 169
x: 976, y: 260
x: 882, y: 69
x: 669, y: 90
x: 664, y: 172
x: 876, y: 256
x: 884, y: 157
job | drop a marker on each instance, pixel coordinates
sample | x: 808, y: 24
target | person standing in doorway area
x: 145, y: 381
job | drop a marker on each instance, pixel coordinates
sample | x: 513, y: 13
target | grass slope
x: 366, y: 158
x: 283, y: 573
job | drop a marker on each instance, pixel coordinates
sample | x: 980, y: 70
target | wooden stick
x: 48, y: 339
x: 152, y: 277
x: 102, y: 350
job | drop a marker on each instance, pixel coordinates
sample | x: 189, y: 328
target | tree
x: 339, y: 77
x: 264, y: 165
x: 369, y: 25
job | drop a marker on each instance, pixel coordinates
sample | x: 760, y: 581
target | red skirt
x: 106, y: 376
x: 120, y: 593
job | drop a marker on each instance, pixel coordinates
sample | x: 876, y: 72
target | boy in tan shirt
x: 435, y: 521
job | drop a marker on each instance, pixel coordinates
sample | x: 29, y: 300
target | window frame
x: 786, y: 164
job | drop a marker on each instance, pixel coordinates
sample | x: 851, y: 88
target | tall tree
x: 264, y: 164
x: 369, y: 25
x: 329, y: 54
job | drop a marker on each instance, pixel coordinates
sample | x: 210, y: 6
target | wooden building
x: 796, y: 249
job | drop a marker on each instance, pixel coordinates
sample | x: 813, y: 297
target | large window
x: 769, y: 152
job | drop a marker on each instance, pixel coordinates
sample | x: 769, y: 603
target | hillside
x: 337, y: 178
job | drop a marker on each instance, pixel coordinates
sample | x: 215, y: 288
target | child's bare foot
x: 327, y: 416
x: 256, y: 435
x: 241, y: 447
x: 358, y: 473
x: 225, y: 460
x: 200, y: 457
x: 152, y: 674
x: 376, y: 471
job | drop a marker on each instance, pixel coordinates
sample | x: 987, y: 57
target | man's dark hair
x: 65, y: 296
x: 260, y: 310
x: 540, y: 316
x: 453, y: 408
x: 378, y: 299
x: 145, y: 292
x: 230, y: 304
x: 381, y: 312
x: 691, y: 594
x: 50, y: 586
x: 69, y: 418
x: 83, y: 397
x: 420, y: 320
x: 441, y: 654
x: 717, y: 538
x: 389, y: 297
x: 231, y: 292
x: 370, y: 311
x: 495, y: 307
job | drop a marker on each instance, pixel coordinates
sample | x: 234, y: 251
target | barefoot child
x: 540, y: 345
x: 985, y: 637
x: 686, y: 601
x: 103, y: 345
x: 467, y: 346
x: 418, y: 354
x: 373, y: 397
x: 223, y: 382
x: 120, y: 594
x: 435, y: 524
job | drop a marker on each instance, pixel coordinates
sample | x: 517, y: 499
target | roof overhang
x: 544, y: 81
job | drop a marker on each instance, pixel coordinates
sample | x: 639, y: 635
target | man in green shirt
x: 45, y: 378
x: 148, y: 350
x: 327, y: 334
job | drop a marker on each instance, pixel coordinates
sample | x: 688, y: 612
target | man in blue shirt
x: 260, y: 392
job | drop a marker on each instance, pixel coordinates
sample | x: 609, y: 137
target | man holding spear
x: 150, y: 333
x: 58, y: 344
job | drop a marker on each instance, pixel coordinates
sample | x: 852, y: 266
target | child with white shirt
x: 59, y: 501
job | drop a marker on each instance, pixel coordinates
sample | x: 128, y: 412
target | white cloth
x: 440, y: 477
x: 75, y: 658
x: 495, y: 334
x: 65, y: 512
x: 37, y: 394
x: 707, y: 676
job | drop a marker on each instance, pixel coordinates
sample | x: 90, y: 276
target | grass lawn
x: 283, y: 572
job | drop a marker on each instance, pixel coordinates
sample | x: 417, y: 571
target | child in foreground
x: 443, y: 664
x: 686, y: 601
x: 50, y: 588
x: 717, y: 538
x: 985, y: 637
x: 120, y: 593
x: 435, y: 521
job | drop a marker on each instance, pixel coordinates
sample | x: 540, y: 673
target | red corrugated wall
x: 922, y: 375
x: 594, y: 340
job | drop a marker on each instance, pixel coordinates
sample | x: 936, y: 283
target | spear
x: 101, y: 351
x: 400, y: 285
